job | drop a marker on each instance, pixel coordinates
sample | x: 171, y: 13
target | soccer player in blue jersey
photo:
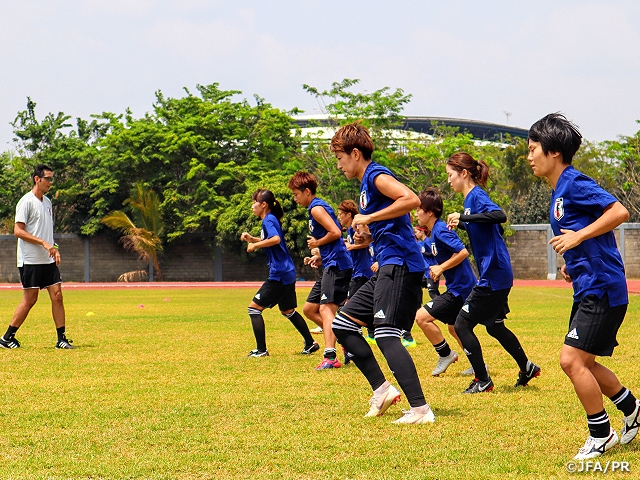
x: 280, y: 287
x: 450, y: 261
x: 583, y: 217
x: 488, y: 302
x: 424, y: 242
x: 326, y: 235
x: 360, y: 254
x: 389, y: 299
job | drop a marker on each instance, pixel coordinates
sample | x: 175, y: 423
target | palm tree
x: 144, y: 240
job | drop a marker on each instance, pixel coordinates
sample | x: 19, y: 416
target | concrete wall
x: 193, y: 258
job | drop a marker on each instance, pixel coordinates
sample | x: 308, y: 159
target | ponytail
x: 478, y: 169
x: 263, y: 195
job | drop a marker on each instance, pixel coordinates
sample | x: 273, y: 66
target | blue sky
x: 466, y: 59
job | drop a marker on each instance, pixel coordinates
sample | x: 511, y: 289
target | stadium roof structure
x: 485, y: 131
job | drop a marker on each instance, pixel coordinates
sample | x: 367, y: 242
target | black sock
x: 402, y: 366
x: 509, y: 342
x: 362, y: 355
x: 599, y: 426
x: 257, y: 322
x: 624, y: 401
x: 11, y: 332
x: 60, y: 332
x: 472, y: 348
x: 443, y: 349
x: 296, y: 319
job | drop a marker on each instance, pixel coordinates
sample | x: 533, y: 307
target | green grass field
x: 166, y: 391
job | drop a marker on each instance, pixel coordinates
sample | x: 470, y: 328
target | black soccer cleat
x: 525, y: 377
x: 314, y: 347
x: 65, y: 344
x: 11, y: 343
x: 258, y: 353
x: 479, y: 386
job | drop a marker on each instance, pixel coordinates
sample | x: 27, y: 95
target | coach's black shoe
x: 314, y: 347
x: 11, y: 343
x: 524, y: 378
x: 479, y: 386
x: 65, y: 344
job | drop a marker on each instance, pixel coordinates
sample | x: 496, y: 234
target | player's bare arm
x: 268, y: 242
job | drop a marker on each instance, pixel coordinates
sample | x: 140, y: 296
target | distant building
x: 482, y: 131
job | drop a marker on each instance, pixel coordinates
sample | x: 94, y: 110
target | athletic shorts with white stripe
x: 389, y: 298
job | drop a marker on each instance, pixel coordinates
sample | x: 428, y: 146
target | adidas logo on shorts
x: 429, y: 304
x: 257, y: 296
x: 379, y: 314
x: 573, y: 334
x: 323, y: 297
x: 465, y: 308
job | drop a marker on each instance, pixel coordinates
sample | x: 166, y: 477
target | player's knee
x: 343, y: 326
x: 309, y: 309
x: 496, y: 328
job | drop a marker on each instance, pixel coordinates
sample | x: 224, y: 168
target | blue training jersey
x: 429, y: 259
x: 394, y: 239
x: 281, y: 265
x: 361, y: 258
x: 445, y: 243
x: 595, y: 266
x: 489, y: 249
x: 333, y: 253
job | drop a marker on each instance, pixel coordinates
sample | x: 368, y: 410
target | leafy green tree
x: 198, y: 151
x: 624, y: 157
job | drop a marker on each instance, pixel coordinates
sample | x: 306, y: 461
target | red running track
x: 633, y: 285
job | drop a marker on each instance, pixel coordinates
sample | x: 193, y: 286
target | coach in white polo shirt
x: 38, y: 258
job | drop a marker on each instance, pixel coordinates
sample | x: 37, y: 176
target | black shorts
x: 39, y: 276
x: 333, y: 288
x: 274, y: 292
x: 445, y: 307
x: 593, y: 325
x: 355, y: 284
x: 388, y: 298
x: 485, y: 306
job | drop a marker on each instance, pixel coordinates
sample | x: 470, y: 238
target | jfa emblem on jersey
x: 261, y: 234
x: 311, y: 225
x: 467, y: 211
x: 49, y: 211
x: 363, y: 200
x: 558, y: 208
x: 434, y: 250
x: 349, y: 239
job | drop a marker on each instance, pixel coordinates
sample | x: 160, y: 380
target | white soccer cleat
x: 630, y: 426
x: 594, y: 447
x: 443, y: 363
x: 381, y: 402
x: 415, y: 418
